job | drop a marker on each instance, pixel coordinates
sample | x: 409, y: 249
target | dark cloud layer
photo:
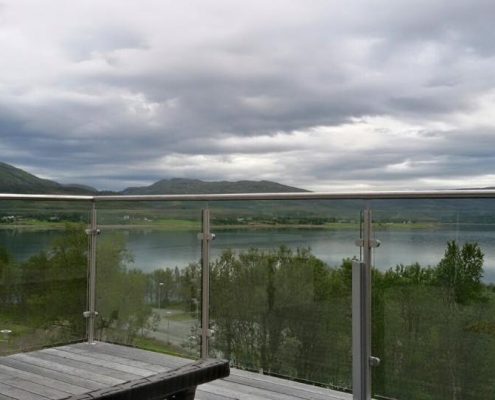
x: 370, y: 95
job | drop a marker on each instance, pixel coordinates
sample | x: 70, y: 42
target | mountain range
x: 16, y: 180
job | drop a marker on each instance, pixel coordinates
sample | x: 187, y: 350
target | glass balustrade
x: 148, y: 290
x: 433, y: 307
x: 281, y: 287
x: 43, y: 273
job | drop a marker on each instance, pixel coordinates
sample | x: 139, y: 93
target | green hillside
x: 195, y: 186
x: 480, y: 211
x: 15, y: 180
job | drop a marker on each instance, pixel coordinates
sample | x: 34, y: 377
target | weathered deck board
x: 92, y: 361
x: 117, y: 359
x: 245, y: 385
x: 56, y: 375
x: 36, y: 388
x: 105, y: 373
x: 33, y: 359
x: 57, y: 384
x: 132, y: 354
x: 18, y: 393
x: 88, y: 370
x: 62, y: 372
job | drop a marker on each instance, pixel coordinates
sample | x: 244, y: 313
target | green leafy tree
x: 52, y: 285
x: 163, y: 287
x: 284, y: 312
x: 426, y: 314
x: 121, y: 292
x: 460, y: 272
x: 8, y: 279
x: 189, y: 287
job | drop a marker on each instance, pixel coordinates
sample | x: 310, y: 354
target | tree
x: 284, y: 312
x: 460, y: 272
x: 121, y: 292
x: 8, y: 279
x: 52, y: 285
x: 163, y: 287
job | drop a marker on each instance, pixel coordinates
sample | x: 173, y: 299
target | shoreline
x: 186, y: 225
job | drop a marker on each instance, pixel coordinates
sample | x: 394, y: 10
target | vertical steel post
x: 361, y: 314
x: 91, y: 313
x: 206, y: 237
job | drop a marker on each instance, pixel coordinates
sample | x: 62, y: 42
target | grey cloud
x: 414, y: 62
x: 83, y: 44
x: 465, y: 24
x: 461, y: 155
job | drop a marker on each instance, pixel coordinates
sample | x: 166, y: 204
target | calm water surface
x: 159, y: 249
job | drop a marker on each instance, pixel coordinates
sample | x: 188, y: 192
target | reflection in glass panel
x: 43, y: 273
x: 433, y: 299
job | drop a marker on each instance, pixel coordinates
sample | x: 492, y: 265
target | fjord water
x: 154, y: 249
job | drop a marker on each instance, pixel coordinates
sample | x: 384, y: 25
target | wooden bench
x: 103, y: 371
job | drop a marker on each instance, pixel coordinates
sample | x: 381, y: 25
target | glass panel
x: 148, y: 275
x: 434, y: 300
x: 281, y: 287
x: 43, y: 273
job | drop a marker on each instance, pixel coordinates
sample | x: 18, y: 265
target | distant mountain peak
x: 197, y: 186
x: 16, y: 180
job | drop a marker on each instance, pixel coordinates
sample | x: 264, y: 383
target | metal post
x: 205, y: 237
x: 361, y: 314
x: 91, y: 313
x: 361, y: 383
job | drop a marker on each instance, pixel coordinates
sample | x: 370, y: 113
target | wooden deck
x: 244, y: 385
x: 77, y: 369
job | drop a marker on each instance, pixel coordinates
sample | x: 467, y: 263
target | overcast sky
x: 325, y: 95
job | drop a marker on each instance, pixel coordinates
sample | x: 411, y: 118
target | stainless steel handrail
x: 437, y: 194
x: 42, y: 197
